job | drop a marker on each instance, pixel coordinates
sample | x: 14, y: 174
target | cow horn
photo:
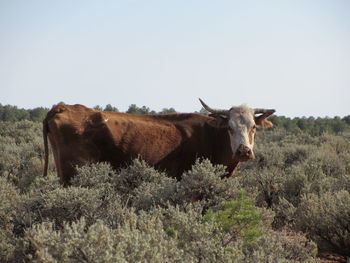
x: 263, y: 111
x: 214, y: 111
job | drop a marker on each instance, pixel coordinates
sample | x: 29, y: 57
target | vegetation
x: 289, y: 203
x: 311, y: 125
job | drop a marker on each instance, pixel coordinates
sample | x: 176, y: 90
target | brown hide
x: 79, y: 135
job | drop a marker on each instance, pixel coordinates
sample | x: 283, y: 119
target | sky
x: 292, y: 56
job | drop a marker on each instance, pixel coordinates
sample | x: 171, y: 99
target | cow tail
x: 46, y: 146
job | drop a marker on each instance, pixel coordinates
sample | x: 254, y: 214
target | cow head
x: 241, y: 123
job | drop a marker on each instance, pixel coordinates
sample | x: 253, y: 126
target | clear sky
x: 290, y: 55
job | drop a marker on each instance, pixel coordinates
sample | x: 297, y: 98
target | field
x: 290, y: 204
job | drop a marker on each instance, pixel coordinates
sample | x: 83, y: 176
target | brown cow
x: 171, y: 143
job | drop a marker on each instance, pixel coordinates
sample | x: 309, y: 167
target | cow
x: 172, y: 142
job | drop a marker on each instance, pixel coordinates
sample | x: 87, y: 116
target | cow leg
x: 232, y: 169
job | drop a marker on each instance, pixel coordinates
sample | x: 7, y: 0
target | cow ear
x: 264, y: 123
x: 261, y: 121
x: 218, y: 121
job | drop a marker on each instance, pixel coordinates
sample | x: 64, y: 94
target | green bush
x: 238, y: 218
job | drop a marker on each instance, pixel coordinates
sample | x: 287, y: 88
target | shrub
x: 297, y: 246
x: 71, y: 244
x: 295, y: 155
x: 200, y: 240
x: 77, y: 242
x: 151, y: 194
x: 238, y: 219
x: 326, y: 219
x: 285, y: 171
x: 282, y: 246
x: 138, y: 213
x: 161, y: 235
x: 267, y: 184
x: 20, y: 163
x: 138, y: 173
x: 21, y: 152
x: 59, y: 205
x: 95, y: 175
x: 43, y: 185
x: 205, y: 183
x: 9, y: 197
x: 22, y: 131
x: 143, y: 187
x: 70, y: 204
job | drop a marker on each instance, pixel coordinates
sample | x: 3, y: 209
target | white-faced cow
x: 79, y: 135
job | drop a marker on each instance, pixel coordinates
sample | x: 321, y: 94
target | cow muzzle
x: 244, y: 153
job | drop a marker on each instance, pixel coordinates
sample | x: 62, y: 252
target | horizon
x: 177, y: 112
x: 291, y: 56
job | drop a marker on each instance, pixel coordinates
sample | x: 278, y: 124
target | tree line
x: 311, y: 125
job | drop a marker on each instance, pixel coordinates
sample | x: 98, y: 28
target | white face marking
x: 241, y: 128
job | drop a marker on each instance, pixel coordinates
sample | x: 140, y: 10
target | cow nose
x: 245, y: 152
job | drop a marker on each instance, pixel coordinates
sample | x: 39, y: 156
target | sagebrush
x: 297, y: 186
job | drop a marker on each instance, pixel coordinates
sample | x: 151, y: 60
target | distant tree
x: 7, y: 114
x: 320, y: 127
x: 277, y: 120
x: 109, y: 107
x: 338, y: 125
x: 59, y: 103
x: 301, y: 123
x: 133, y: 109
x: 167, y: 111
x: 306, y: 124
x: 12, y: 113
x: 38, y: 114
x: 347, y: 119
x: 291, y: 125
x: 98, y: 107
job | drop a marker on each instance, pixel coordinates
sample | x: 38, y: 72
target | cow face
x: 241, y: 129
x: 241, y: 123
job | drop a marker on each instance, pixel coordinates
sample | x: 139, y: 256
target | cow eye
x: 254, y: 127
